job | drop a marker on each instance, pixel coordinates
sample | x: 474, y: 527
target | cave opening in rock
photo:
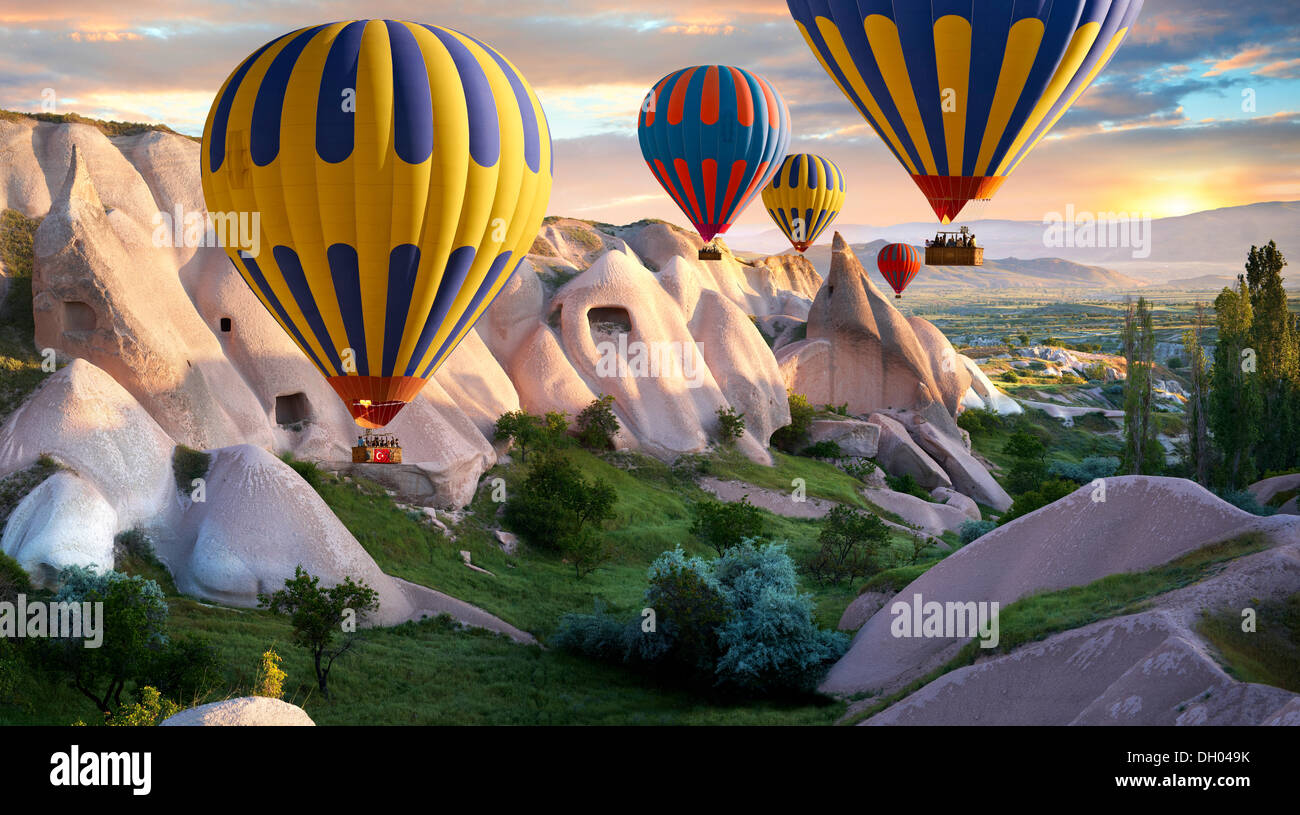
x: 292, y: 408
x: 78, y: 316
x: 225, y: 325
x: 608, y: 322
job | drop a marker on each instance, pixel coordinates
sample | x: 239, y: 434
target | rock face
x: 1149, y: 668
x: 860, y: 350
x: 899, y: 455
x: 986, y: 393
x: 968, y: 476
x: 854, y: 437
x: 1144, y: 521
x: 934, y: 519
x: 64, y: 522
x: 245, y: 711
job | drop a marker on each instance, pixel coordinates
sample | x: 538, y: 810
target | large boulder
x: 854, y: 436
x: 63, y: 522
x: 933, y: 518
x: 1138, y: 522
x: 244, y: 711
x: 899, y: 455
x: 968, y: 475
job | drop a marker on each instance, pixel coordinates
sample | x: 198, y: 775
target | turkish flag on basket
x: 381, y: 455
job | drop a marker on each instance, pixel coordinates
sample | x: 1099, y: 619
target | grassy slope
x: 20, y: 365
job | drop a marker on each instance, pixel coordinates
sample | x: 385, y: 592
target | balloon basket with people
x: 957, y: 248
x: 377, y: 448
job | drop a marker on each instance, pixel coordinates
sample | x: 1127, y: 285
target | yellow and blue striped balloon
x: 961, y: 91
x: 804, y: 196
x: 401, y: 172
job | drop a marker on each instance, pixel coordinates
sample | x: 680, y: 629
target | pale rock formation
x: 967, y: 474
x: 951, y: 377
x: 1144, y: 521
x: 860, y: 350
x: 933, y: 519
x: 988, y: 393
x: 63, y: 522
x: 958, y: 501
x: 244, y: 711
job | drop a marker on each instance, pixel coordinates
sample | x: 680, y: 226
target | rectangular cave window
x: 78, y: 316
x: 225, y: 325
x: 292, y: 408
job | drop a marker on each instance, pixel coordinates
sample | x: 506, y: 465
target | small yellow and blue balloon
x: 401, y: 171
x: 804, y: 196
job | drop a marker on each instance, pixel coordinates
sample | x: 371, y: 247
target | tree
x: 731, y: 425
x: 597, y: 425
x: 1274, y: 336
x: 529, y: 432
x: 1198, y: 434
x: 852, y: 544
x: 1030, y: 461
x: 1236, y: 404
x: 1139, y: 344
x: 556, y: 508
x: 723, y: 525
x: 319, y: 614
x: 134, y: 631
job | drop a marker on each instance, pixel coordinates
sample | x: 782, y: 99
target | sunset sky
x: 1162, y: 132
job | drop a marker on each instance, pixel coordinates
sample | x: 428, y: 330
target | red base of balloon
x: 709, y: 231
x: 373, y: 401
x: 947, y: 194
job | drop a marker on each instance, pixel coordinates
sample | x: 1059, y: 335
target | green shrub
x: 597, y: 425
x: 529, y: 432
x: 853, y: 544
x: 1046, y: 493
x: 973, y: 530
x: 13, y: 579
x: 187, y: 465
x: 1086, y: 471
x: 860, y: 468
x: 736, y: 622
x: 1245, y: 500
x: 907, y: 483
x: 307, y: 470
x: 723, y: 525
x: 790, y: 436
x: 1010, y: 376
x: 1029, y: 455
x: 731, y: 425
x: 827, y: 448
x: 554, y: 503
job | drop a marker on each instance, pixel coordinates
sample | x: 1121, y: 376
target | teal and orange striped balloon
x: 401, y: 172
x: 961, y: 91
x: 804, y: 196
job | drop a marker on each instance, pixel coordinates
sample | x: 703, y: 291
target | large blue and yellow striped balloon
x: 805, y: 195
x: 961, y: 91
x: 712, y: 136
x: 401, y: 172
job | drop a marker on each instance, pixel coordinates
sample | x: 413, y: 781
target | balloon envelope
x: 712, y: 136
x: 804, y: 196
x: 401, y: 172
x: 960, y: 92
x: 898, y: 264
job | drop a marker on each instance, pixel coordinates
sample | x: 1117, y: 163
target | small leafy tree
x: 554, y: 502
x: 853, y: 543
x: 731, y: 425
x: 133, y: 629
x: 1030, y: 461
x: 597, y: 424
x: 723, y: 525
x: 319, y: 614
x: 529, y: 432
x: 150, y: 711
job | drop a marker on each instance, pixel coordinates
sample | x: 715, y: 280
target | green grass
x: 1038, y: 616
x: 1270, y: 654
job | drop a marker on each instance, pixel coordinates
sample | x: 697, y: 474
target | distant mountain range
x: 1203, y: 250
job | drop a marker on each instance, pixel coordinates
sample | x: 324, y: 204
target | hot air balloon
x: 401, y: 172
x: 804, y: 196
x: 960, y: 92
x: 712, y: 136
x: 898, y: 264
